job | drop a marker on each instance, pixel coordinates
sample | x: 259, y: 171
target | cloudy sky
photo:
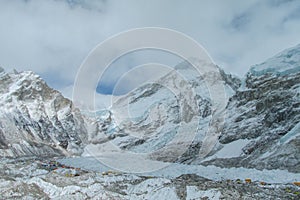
x: 52, y: 37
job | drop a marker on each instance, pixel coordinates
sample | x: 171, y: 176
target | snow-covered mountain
x: 171, y: 119
x: 261, y: 127
x: 263, y: 117
x: 37, y: 120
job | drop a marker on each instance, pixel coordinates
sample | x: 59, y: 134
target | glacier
x: 131, y: 149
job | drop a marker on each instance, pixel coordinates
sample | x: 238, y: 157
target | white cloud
x: 52, y: 37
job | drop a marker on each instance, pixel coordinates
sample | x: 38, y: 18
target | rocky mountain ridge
x: 266, y: 114
x: 261, y: 127
x: 37, y: 120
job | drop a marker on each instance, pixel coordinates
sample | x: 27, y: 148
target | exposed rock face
x: 266, y: 112
x: 261, y: 130
x: 262, y: 125
x: 37, y: 120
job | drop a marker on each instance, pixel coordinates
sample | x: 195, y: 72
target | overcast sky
x: 52, y: 37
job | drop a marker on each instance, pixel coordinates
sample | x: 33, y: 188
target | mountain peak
x: 32, y: 113
x: 285, y: 62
